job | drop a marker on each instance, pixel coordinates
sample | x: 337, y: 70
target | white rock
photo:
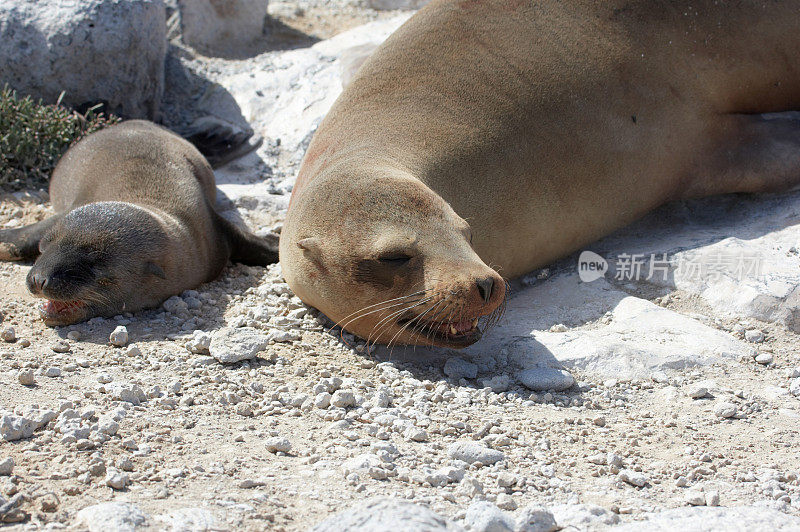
x: 128, y: 393
x: 764, y: 358
x: 536, y: 519
x: 322, y: 400
x: 101, y: 68
x: 458, y: 368
x: 361, y: 464
x: 544, y: 378
x: 483, y: 516
x: 14, y: 427
x: 276, y: 444
x: 26, y: 377
x: 470, y: 452
x: 189, y: 520
x: 7, y: 334
x: 6, y: 466
x: 416, y: 434
x: 381, y: 514
x: 284, y: 336
x: 199, y: 343
x: 582, y: 516
x: 754, y: 335
x: 694, y: 498
x: 702, y: 518
x: 634, y: 478
x: 712, y: 498
x: 226, y: 28
x: 794, y: 387
x: 116, y: 516
x: 697, y: 391
x: 116, y: 479
x: 119, y: 336
x: 230, y: 345
x: 343, y: 399
x: 725, y: 409
x: 52, y: 372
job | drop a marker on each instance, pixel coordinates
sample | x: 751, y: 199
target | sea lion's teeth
x: 474, y: 323
x: 453, y: 329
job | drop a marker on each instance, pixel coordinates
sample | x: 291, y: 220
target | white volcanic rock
x: 211, y: 26
x: 702, y: 518
x: 117, y: 516
x: 229, y: 345
x: 84, y: 49
x: 381, y: 514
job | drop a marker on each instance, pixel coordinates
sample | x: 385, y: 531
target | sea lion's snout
x: 485, y: 288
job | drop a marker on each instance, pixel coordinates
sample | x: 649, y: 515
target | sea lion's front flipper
x: 220, y: 141
x: 757, y: 153
x: 22, y: 243
x: 248, y: 248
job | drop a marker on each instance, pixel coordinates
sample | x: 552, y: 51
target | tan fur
x: 545, y: 125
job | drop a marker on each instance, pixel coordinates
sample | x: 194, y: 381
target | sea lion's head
x: 389, y: 260
x: 101, y: 259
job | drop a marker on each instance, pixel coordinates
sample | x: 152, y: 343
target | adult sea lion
x: 493, y: 137
x: 134, y: 224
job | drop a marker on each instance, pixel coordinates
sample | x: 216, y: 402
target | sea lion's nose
x: 485, y: 287
x: 37, y: 282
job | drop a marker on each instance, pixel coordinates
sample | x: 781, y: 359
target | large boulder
x: 93, y: 50
x: 222, y: 27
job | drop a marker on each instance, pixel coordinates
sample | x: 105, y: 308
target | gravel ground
x: 236, y: 407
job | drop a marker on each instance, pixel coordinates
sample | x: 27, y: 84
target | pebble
x: 697, y: 392
x: 26, y: 377
x: 505, y: 501
x: 764, y: 358
x: 725, y: 410
x: 634, y: 478
x: 53, y: 372
x: 230, y: 345
x: 536, y: 519
x: 471, y: 452
x: 343, y: 399
x: 794, y: 387
x: 6, y: 466
x: 277, y: 444
x: 116, y: 479
x: 543, y: 378
x: 754, y: 336
x: 60, y: 347
x: 74, y: 336
x: 457, y: 368
x: 7, y: 334
x: 108, y: 516
x: 119, y: 336
x: 694, y: 498
x: 712, y: 498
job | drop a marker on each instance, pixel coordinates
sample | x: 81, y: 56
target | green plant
x: 33, y: 136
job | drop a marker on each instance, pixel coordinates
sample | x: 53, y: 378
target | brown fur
x: 546, y: 125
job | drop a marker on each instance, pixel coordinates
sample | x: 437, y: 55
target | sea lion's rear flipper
x: 22, y: 243
x: 248, y: 248
x: 758, y: 153
x: 220, y: 141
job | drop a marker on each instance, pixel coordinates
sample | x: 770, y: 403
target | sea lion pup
x: 134, y: 224
x: 509, y: 134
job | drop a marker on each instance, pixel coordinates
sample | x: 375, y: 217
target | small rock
x: 764, y: 358
x: 26, y: 377
x: 74, y: 336
x: 416, y: 434
x: 199, y: 343
x: 794, y: 387
x: 111, y: 516
x: 634, y: 478
x: 506, y: 502
x: 483, y: 516
x: 119, y: 336
x: 7, y: 334
x: 60, y: 347
x: 543, y: 378
x: 343, y: 399
x: 6, y: 466
x: 53, y: 372
x: 695, y: 498
x: 244, y: 409
x: 536, y: 519
x: 600, y: 421
x: 190, y: 519
x: 116, y: 479
x: 712, y: 498
x: 471, y: 452
x: 277, y: 444
x: 754, y: 336
x: 458, y: 368
x: 697, y: 392
x: 230, y: 345
x: 725, y: 410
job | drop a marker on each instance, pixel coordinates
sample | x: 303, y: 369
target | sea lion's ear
x: 311, y: 246
x: 151, y: 268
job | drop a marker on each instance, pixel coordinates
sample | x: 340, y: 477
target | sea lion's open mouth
x: 451, y: 333
x: 62, y: 312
